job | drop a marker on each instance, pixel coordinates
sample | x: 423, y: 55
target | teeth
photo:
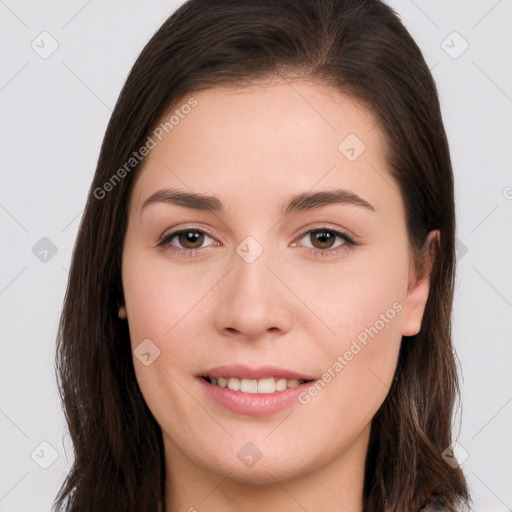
x: 266, y: 385
x: 256, y: 386
x: 234, y: 384
x: 280, y: 385
x: 248, y: 385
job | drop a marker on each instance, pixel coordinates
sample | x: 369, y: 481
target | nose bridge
x: 252, y: 277
x: 254, y: 300
x: 250, y: 249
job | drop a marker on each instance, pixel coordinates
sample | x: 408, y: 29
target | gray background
x: 54, y: 112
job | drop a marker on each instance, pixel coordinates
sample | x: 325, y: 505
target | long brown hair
x: 361, y: 48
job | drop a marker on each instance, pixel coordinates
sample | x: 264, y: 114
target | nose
x: 254, y: 300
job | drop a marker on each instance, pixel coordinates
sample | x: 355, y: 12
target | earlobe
x: 415, y: 305
x: 419, y: 286
x: 122, y: 313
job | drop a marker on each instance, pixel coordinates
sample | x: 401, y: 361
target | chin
x: 262, y: 473
x: 244, y: 463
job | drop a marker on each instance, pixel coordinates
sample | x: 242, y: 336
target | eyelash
x: 165, y: 242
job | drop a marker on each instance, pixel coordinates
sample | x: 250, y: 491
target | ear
x: 122, y: 311
x: 419, y: 285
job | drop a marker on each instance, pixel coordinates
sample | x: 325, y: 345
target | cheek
x: 363, y: 305
x: 351, y: 296
x: 158, y: 297
x: 359, y: 371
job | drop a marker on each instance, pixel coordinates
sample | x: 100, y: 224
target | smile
x: 264, y: 385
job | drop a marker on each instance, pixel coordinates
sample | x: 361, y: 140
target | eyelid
x: 326, y: 227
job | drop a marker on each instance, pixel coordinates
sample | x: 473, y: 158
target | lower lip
x: 254, y: 404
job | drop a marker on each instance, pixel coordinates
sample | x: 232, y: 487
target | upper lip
x: 254, y: 372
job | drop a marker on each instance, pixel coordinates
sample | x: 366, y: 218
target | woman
x: 258, y: 308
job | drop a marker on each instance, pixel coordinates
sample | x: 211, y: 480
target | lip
x: 249, y: 372
x: 253, y: 404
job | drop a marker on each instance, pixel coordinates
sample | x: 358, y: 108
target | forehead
x: 307, y: 105
x: 282, y: 134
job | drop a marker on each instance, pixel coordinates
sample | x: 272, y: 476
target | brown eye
x: 323, y: 239
x: 325, y: 242
x: 185, y: 240
x: 190, y: 239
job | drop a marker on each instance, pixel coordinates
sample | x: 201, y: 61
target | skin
x: 253, y: 148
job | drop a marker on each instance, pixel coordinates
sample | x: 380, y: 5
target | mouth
x: 254, y: 390
x: 264, y: 385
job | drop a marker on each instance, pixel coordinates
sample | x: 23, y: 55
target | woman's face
x: 296, y: 267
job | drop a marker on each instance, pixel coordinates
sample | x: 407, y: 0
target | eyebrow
x: 297, y: 203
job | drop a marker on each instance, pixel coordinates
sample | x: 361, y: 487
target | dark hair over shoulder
x: 361, y: 48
